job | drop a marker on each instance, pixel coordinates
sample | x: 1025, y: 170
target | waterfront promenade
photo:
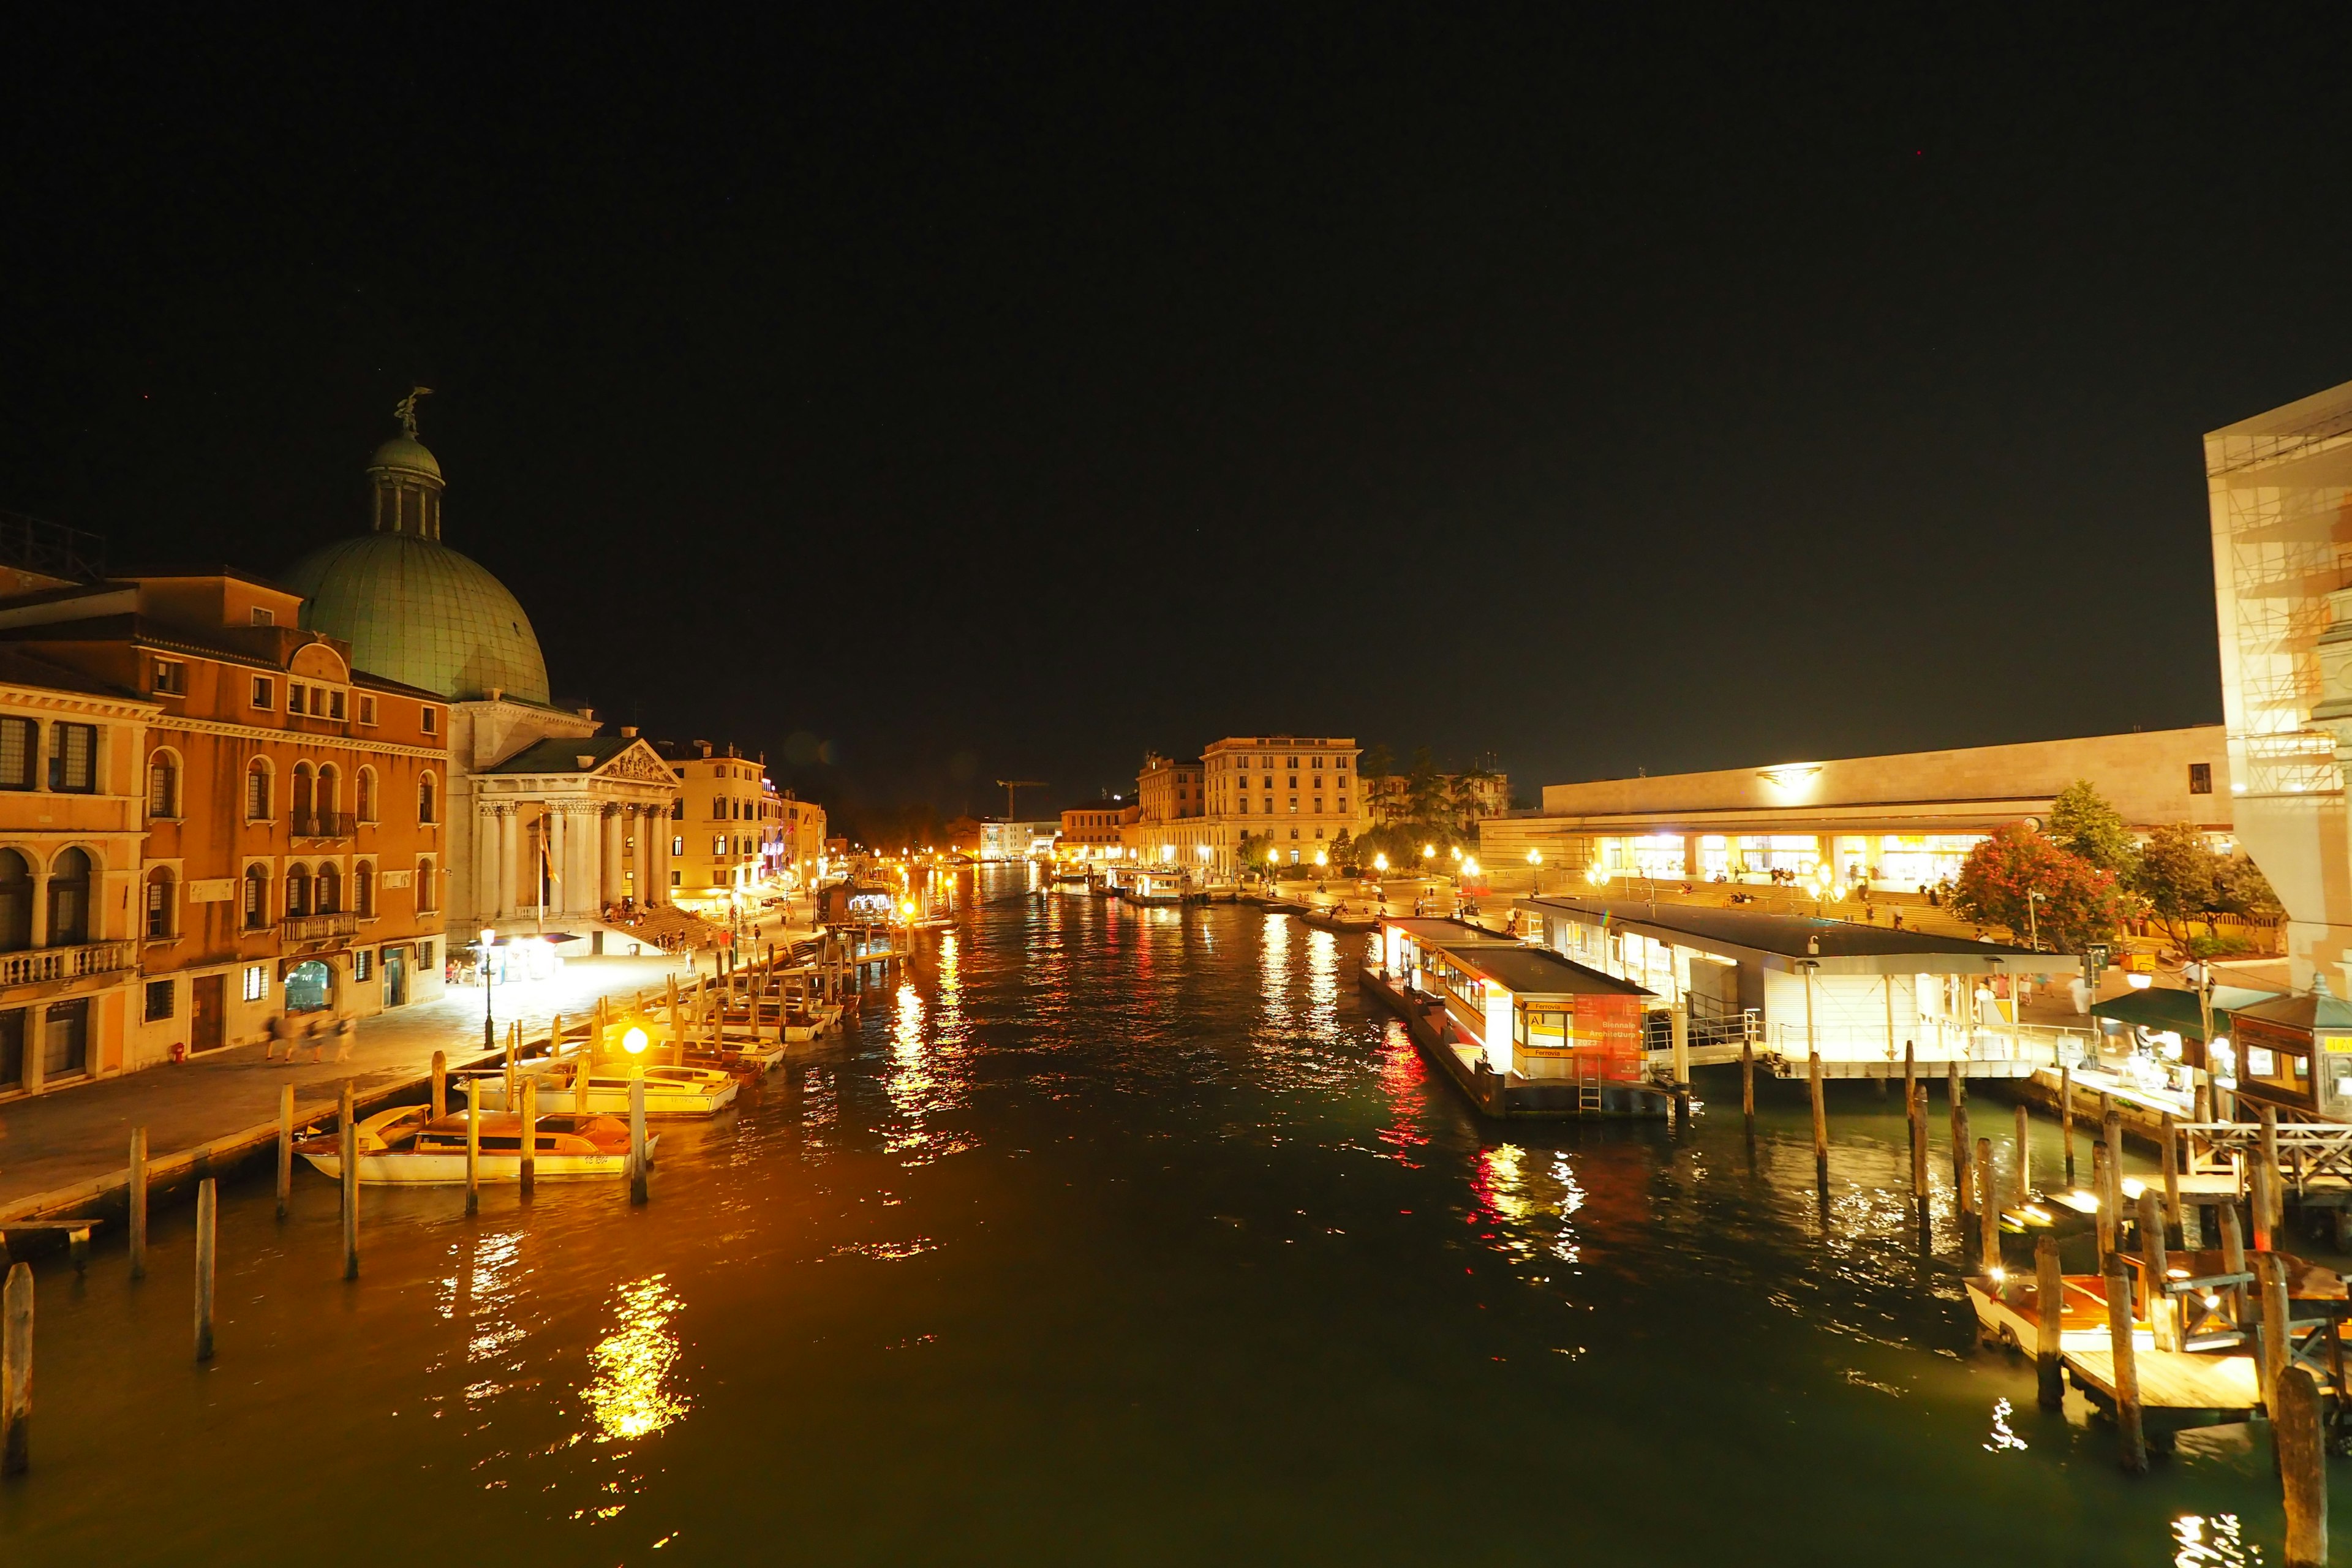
x: 75, y: 1141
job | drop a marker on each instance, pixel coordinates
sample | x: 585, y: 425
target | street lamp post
x: 2033, y: 924
x: 489, y: 976
x: 1535, y: 876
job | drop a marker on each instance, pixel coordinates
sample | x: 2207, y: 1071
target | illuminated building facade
x: 296, y: 808
x: 1898, y: 822
x: 2280, y: 490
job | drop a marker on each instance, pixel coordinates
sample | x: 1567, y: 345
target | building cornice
x: 296, y: 737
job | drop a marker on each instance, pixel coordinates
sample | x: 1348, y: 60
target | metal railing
x: 66, y: 962
x: 318, y: 928
x: 324, y: 824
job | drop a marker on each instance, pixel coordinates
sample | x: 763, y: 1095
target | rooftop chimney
x: 628, y: 732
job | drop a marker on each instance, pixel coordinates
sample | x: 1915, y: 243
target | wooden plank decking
x: 2174, y: 1380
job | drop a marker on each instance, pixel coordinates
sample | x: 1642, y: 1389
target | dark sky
x: 989, y: 392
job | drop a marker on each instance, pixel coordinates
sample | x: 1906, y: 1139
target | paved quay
x: 69, y: 1151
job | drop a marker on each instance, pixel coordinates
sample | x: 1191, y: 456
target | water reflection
x: 628, y: 1396
x: 1274, y: 971
x: 2198, y: 1539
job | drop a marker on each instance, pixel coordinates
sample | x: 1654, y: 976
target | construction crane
x: 1008, y: 785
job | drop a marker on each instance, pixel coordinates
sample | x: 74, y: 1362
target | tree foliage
x: 2085, y: 824
x: 2241, y: 889
x: 2177, y: 874
x: 2079, y: 904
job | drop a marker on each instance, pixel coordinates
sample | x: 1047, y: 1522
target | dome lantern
x: 405, y: 478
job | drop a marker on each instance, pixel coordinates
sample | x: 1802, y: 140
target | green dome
x: 416, y: 611
x: 406, y: 453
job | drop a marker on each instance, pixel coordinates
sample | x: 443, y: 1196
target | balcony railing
x: 66, y: 962
x: 318, y: 928
x: 324, y: 824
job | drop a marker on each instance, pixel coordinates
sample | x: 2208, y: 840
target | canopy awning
x: 2163, y: 1009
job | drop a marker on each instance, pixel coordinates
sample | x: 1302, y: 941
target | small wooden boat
x: 670, y: 1091
x: 407, y: 1146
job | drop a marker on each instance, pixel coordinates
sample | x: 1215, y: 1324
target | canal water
x: 1111, y: 1236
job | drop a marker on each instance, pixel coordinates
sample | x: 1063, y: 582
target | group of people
x: 313, y: 1030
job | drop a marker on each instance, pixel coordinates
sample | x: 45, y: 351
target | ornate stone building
x: 547, y: 819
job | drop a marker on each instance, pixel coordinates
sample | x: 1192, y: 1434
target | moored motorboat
x: 407, y: 1146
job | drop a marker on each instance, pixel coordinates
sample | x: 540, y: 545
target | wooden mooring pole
x: 1820, y: 1124
x: 2172, y: 1211
x: 637, y: 1190
x: 2233, y: 1259
x: 440, y: 1085
x: 529, y: 1092
x: 351, y: 1151
x: 285, y: 1149
x: 2270, y: 1273
x: 2103, y: 1228
x: 473, y: 1145
x: 138, y: 1197
x: 1746, y: 1083
x: 208, y: 1228
x: 2258, y: 1203
x: 2024, y: 1155
x: 1987, y: 1206
x: 1911, y: 1088
x: 16, y: 1370
x: 2066, y: 1116
x: 2049, y: 1334
x: 2134, y: 1441
x: 1919, y: 1148
x: 2154, y: 1264
x: 1959, y: 1117
x: 2274, y: 1190
x: 2111, y: 1211
x: 2302, y: 1446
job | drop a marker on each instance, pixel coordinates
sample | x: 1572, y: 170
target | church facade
x: 551, y: 823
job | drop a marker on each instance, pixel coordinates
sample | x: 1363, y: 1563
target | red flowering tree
x: 2079, y: 904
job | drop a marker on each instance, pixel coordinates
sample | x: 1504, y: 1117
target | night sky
x: 987, y: 394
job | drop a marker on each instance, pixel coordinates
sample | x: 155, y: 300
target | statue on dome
x: 406, y: 410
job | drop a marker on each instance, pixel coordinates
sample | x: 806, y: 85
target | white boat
x: 405, y: 1146
x: 670, y: 1091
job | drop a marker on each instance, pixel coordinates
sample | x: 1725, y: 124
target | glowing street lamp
x: 1535, y: 860
x: 634, y: 1041
x: 1379, y: 862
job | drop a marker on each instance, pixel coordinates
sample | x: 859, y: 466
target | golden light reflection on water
x: 2201, y: 1539
x: 1322, y: 980
x: 1273, y: 969
x: 628, y: 1397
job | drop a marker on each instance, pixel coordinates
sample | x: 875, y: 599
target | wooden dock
x: 2177, y: 1389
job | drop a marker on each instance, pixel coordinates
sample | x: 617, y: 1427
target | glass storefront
x: 1909, y: 861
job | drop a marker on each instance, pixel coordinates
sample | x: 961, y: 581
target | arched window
x: 162, y: 785
x: 256, y: 791
x: 297, y: 891
x: 363, y: 890
x: 331, y: 789
x: 15, y: 902
x: 303, y: 801
x: 424, y: 799
x: 428, y: 887
x: 69, y: 900
x: 329, y: 891
x: 163, y: 908
x: 256, y: 898
x: 366, y: 804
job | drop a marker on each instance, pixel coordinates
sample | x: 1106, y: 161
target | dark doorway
x: 206, y: 1012
x: 395, y: 976
x: 309, y: 987
x: 65, y: 1048
x: 11, y: 1048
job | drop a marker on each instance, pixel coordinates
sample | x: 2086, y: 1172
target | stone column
x: 661, y: 835
x: 587, y: 837
x: 40, y: 913
x: 558, y: 846
x: 508, y: 822
x: 608, y: 885
x: 486, y: 867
